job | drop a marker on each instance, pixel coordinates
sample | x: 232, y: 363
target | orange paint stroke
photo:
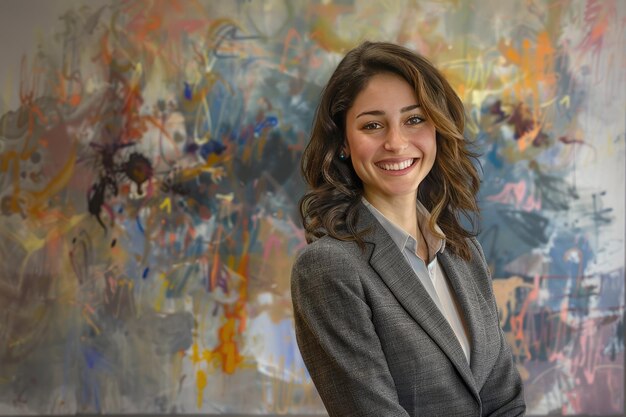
x: 517, y: 321
x: 288, y: 45
x: 242, y: 270
x: 13, y: 158
x: 62, y: 94
x: 226, y: 353
x: 537, y: 67
x: 215, y: 268
x: 105, y: 53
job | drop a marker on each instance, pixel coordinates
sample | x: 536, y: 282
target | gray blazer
x: 376, y: 344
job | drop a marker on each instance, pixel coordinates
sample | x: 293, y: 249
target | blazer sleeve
x: 336, y: 335
x: 502, y: 395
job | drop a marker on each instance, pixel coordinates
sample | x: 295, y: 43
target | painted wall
x: 149, y: 185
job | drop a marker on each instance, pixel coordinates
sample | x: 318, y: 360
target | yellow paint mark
x: 247, y: 154
x: 166, y: 205
x: 195, y: 353
x: 190, y: 173
x: 201, y: 383
x: 327, y: 38
x: 260, y: 145
x: 565, y: 101
x: 15, y: 342
x: 160, y: 299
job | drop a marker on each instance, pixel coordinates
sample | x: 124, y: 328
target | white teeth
x: 396, y: 166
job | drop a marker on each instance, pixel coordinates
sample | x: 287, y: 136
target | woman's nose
x: 395, y: 141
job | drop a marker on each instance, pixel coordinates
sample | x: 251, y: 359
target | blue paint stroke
x: 494, y: 158
x: 188, y: 92
x: 140, y: 227
x: 94, y: 361
x: 211, y: 147
x: 270, y: 121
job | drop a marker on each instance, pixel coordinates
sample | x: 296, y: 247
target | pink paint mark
x: 110, y: 211
x: 596, y: 18
x: 272, y: 242
x: 299, y: 233
x: 515, y: 194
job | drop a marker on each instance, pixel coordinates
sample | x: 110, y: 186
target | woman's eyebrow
x: 382, y: 113
x: 372, y: 113
x: 409, y: 108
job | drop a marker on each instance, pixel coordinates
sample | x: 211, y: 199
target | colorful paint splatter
x: 149, y: 185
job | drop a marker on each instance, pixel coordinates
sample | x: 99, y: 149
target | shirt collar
x: 403, y: 239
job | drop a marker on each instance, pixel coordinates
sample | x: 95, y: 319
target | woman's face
x: 391, y: 144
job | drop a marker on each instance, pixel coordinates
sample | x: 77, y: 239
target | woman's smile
x: 397, y: 167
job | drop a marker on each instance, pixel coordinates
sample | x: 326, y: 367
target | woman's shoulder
x: 476, y: 254
x: 475, y: 266
x: 475, y: 248
x: 328, y: 256
x: 329, y: 245
x: 478, y: 258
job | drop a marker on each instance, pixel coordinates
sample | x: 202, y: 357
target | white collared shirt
x: 431, y: 275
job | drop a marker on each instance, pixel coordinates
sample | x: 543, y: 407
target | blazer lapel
x: 462, y: 282
x: 390, y: 264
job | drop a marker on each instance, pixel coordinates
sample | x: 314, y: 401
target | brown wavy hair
x: 449, y: 191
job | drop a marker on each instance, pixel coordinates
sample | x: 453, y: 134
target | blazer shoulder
x: 477, y: 258
x: 327, y: 248
x: 327, y: 260
x: 478, y: 255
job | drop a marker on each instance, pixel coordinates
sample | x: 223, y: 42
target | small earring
x: 343, y: 156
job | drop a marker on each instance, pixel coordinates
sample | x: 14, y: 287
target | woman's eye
x: 414, y: 120
x: 372, y: 126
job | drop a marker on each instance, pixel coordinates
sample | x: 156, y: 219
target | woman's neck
x: 401, y: 210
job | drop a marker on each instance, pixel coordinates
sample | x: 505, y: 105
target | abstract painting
x: 149, y: 187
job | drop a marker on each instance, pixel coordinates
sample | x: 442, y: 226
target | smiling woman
x: 391, y: 144
x: 392, y: 147
x: 448, y: 191
x: 393, y: 304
